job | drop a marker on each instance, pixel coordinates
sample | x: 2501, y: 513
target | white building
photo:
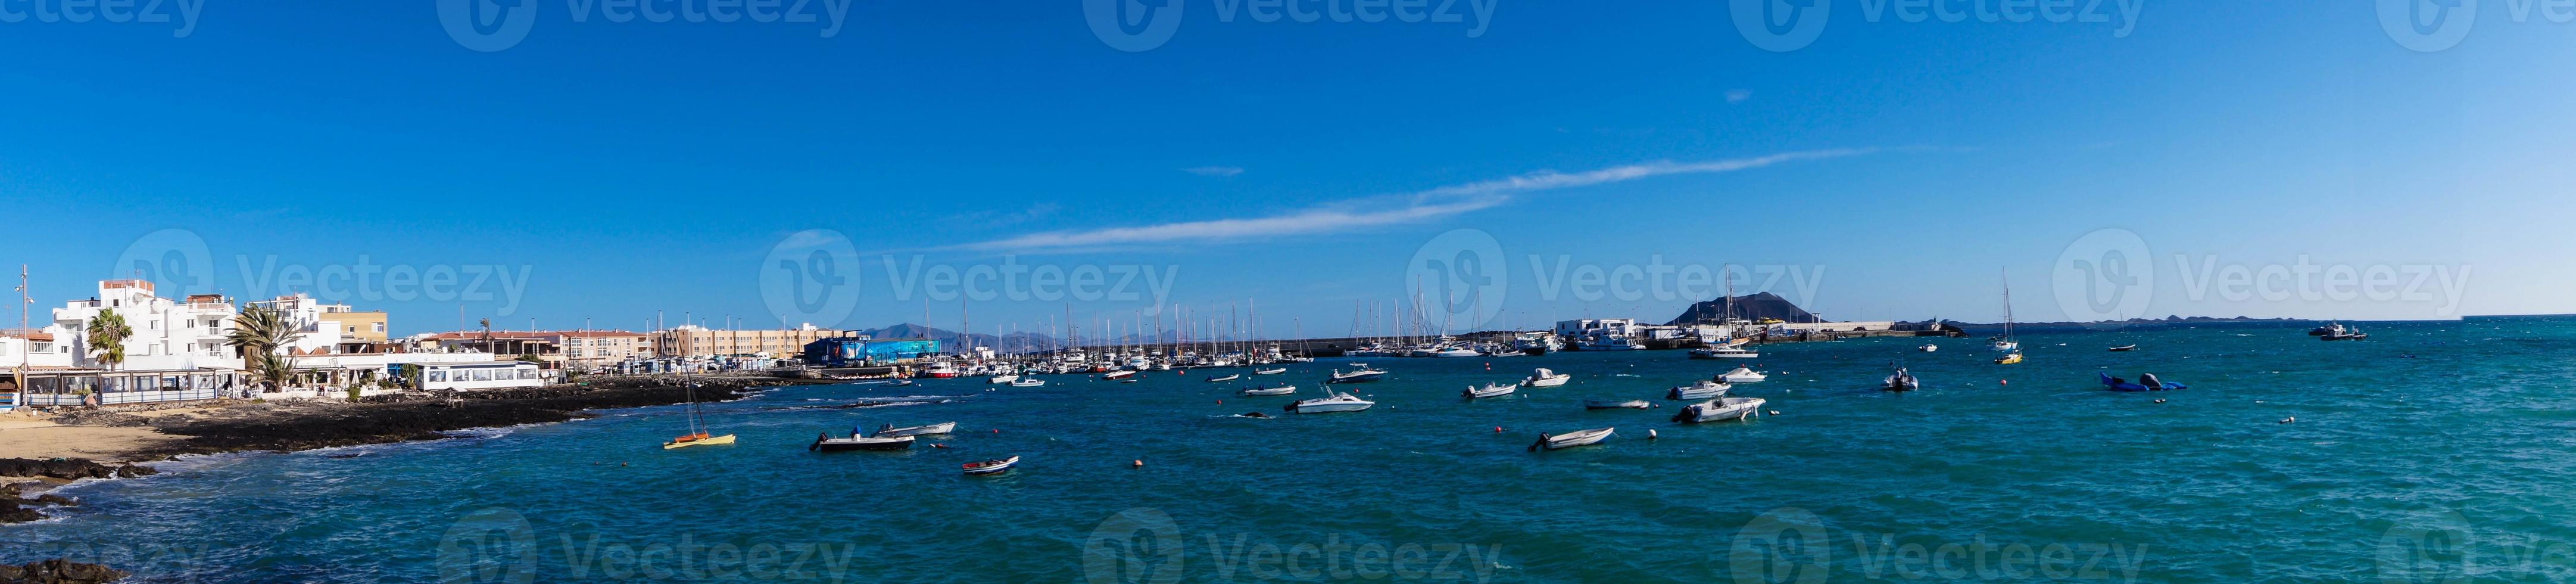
x: 35, y: 350
x: 304, y: 315
x: 169, y: 335
x: 1621, y: 327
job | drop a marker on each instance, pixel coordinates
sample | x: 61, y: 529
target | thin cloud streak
x: 1424, y: 205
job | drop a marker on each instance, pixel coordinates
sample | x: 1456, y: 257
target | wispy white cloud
x: 1738, y: 95
x: 1418, y: 206
x: 1214, y: 170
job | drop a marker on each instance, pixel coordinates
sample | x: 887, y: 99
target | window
x: 380, y: 327
x: 438, y: 376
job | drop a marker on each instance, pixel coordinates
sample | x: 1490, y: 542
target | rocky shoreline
x: 410, y: 417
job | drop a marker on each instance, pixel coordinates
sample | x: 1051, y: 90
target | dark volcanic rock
x: 397, y: 418
x: 68, y: 469
x: 59, y: 572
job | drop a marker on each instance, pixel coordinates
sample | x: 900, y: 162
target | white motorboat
x: 1332, y: 402
x: 1724, y: 353
x: 1572, y: 439
x: 1363, y: 375
x: 1742, y: 375
x: 825, y: 443
x: 1604, y: 404
x: 1928, y: 348
x: 1537, y: 343
x: 1002, y: 379
x: 1901, y: 380
x: 1545, y: 378
x: 996, y: 466
x: 1265, y: 391
x: 1028, y: 383
x: 1490, y: 390
x: 1225, y: 378
x: 1117, y: 375
x: 1701, y: 390
x: 1456, y: 351
x: 1720, y: 409
x: 1269, y: 371
x: 889, y: 431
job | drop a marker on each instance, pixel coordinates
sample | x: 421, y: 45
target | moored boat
x: 1928, y: 348
x: 995, y: 466
x: 826, y: 443
x: 889, y: 431
x: 1572, y: 439
x: 1727, y: 352
x: 1605, y: 404
x: 1003, y: 378
x: 1363, y: 375
x: 1721, y: 409
x: 1489, y: 390
x: 1703, y: 389
x: 1224, y: 378
x: 1332, y: 402
x: 1117, y: 375
x: 2145, y: 382
x: 1545, y: 378
x: 1269, y: 391
x: 1742, y: 375
x: 1028, y: 383
x: 2124, y: 348
x: 1269, y: 371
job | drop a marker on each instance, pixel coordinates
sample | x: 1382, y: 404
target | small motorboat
x: 1490, y: 390
x: 1742, y: 375
x: 889, y: 431
x: 826, y: 443
x: 1332, y: 402
x: 1719, y: 410
x: 2330, y: 328
x: 1363, y: 375
x: 901, y: 383
x: 1726, y: 352
x: 2145, y: 382
x: 2355, y: 335
x: 1606, y: 404
x: 1118, y: 375
x: 1545, y: 378
x: 1225, y: 378
x: 2012, y: 358
x: 1572, y: 439
x: 1928, y: 348
x: 1266, y: 390
x: 1002, y: 379
x: 1701, y: 390
x: 1028, y: 383
x: 2124, y: 348
x: 1269, y: 371
x: 990, y: 467
x: 1901, y: 380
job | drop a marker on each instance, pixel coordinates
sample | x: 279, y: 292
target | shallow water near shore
x: 2469, y: 438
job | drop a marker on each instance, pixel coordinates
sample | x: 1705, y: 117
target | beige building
x: 696, y: 341
x: 354, y: 325
x: 601, y: 347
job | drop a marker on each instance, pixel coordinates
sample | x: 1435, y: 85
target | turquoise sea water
x: 2454, y: 462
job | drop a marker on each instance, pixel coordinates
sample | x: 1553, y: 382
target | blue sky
x: 1898, y: 167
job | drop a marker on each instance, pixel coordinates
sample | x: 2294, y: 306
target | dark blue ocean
x: 2456, y: 462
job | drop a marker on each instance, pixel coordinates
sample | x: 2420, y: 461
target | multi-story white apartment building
x: 168, y: 334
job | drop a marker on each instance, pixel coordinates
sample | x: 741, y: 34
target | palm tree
x: 106, y: 336
x: 259, y: 332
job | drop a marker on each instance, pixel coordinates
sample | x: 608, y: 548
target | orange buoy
x: 1220, y: 402
x: 1498, y: 429
x: 1138, y: 463
x: 2003, y: 382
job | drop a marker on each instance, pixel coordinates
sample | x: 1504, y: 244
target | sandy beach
x: 26, y: 434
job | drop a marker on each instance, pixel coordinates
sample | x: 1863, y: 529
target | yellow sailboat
x: 698, y: 435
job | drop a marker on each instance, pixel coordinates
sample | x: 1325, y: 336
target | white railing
x: 117, y: 398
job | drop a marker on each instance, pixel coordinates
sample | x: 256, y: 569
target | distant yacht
x: 1608, y: 342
